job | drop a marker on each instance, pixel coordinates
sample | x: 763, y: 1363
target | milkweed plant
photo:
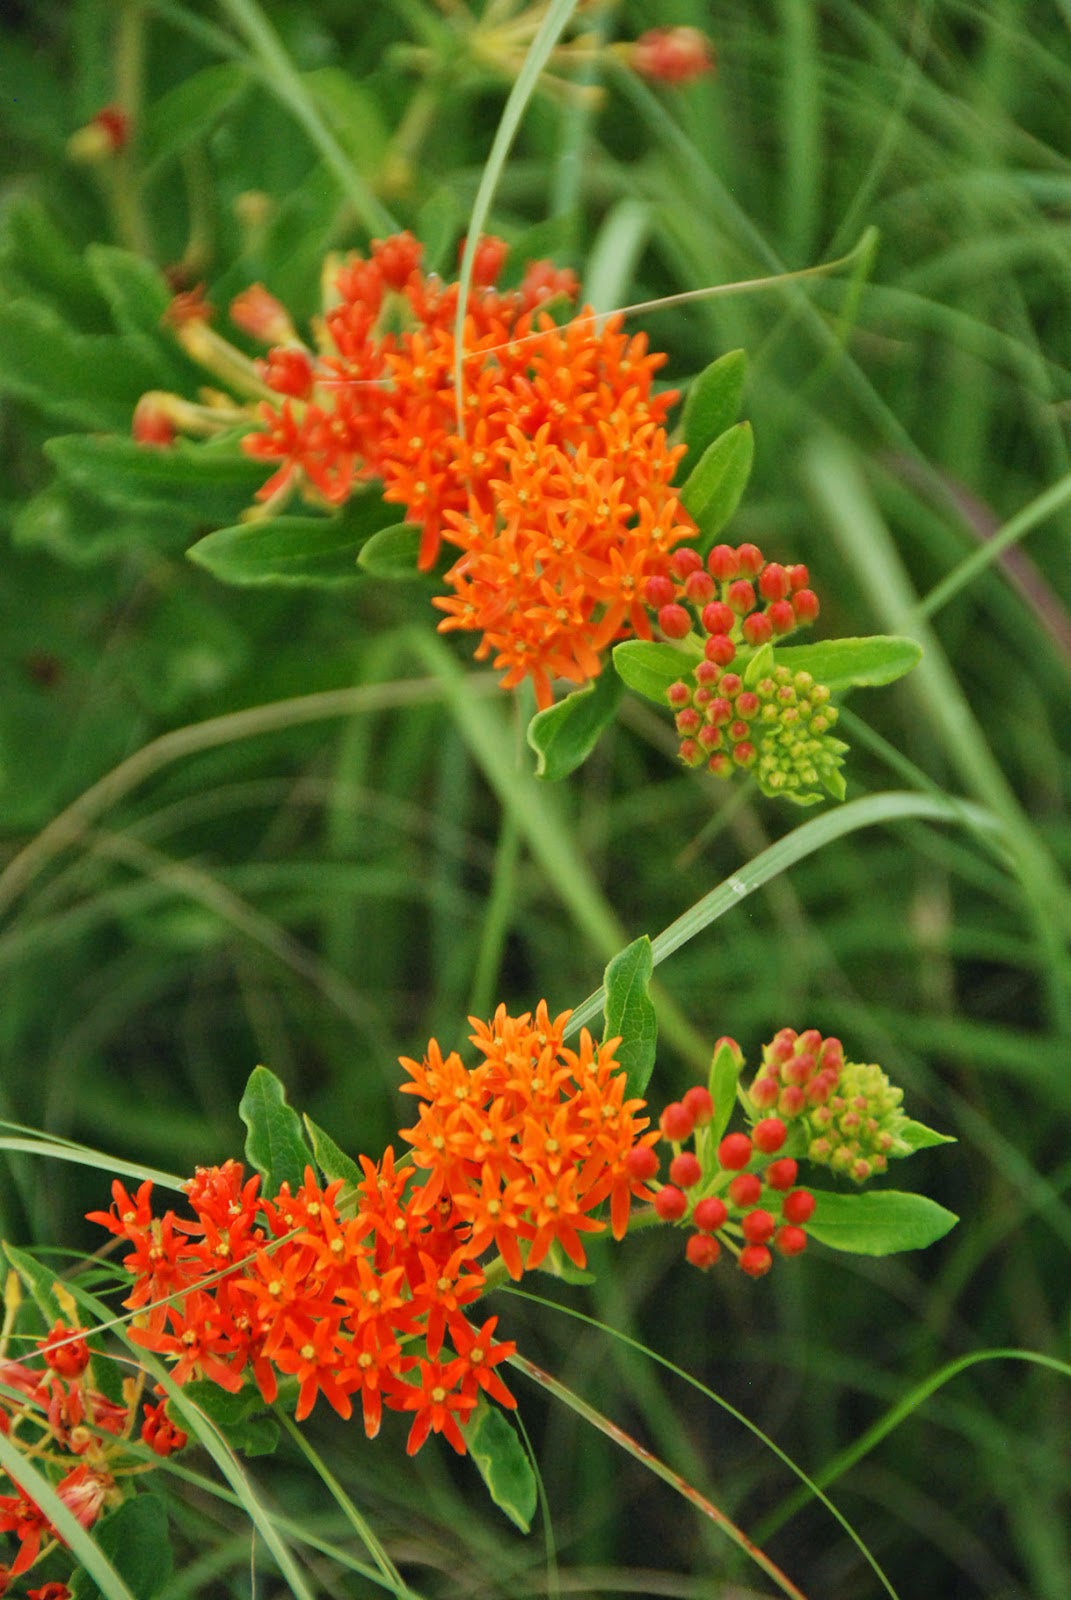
x: 451, y: 415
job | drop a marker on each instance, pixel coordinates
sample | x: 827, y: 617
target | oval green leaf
x: 503, y: 1464
x: 712, y: 490
x: 630, y: 1012
x: 564, y: 735
x: 392, y: 553
x: 713, y: 401
x: 650, y: 668
x: 274, y: 1145
x: 852, y: 663
x: 286, y: 552
x: 878, y: 1224
x: 917, y: 1136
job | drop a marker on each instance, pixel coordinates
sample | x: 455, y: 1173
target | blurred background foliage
x: 324, y: 894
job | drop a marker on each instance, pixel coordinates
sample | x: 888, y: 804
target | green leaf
x: 878, y: 1224
x: 333, y: 1162
x: 917, y: 1136
x: 37, y: 1280
x: 354, y: 116
x: 90, y: 380
x: 650, y: 668
x: 274, y: 1144
x: 191, y: 110
x: 712, y: 402
x: 136, y: 293
x: 135, y: 1540
x: 852, y: 663
x: 503, y: 1464
x: 306, y: 552
x: 564, y: 735
x: 38, y: 260
x: 222, y: 1407
x: 193, y: 482
x: 725, y: 1069
x: 393, y: 552
x: 712, y: 490
x: 630, y: 1012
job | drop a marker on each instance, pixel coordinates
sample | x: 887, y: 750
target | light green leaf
x: 650, y: 668
x: 712, y: 490
x: 725, y: 1069
x: 191, y: 109
x: 89, y: 380
x: 878, y: 1224
x: 564, y: 735
x: 274, y: 1144
x: 852, y: 663
x: 136, y: 293
x: 37, y: 1280
x: 333, y: 1162
x: 135, y: 1539
x: 917, y: 1136
x: 392, y: 552
x: 712, y: 402
x: 503, y: 1464
x: 630, y: 1012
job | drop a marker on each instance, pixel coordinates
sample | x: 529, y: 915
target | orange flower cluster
x: 524, y: 1146
x: 364, y: 1292
x: 551, y: 473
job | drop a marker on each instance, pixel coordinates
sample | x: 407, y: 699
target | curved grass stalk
x: 813, y: 1487
x: 653, y: 1464
x: 853, y: 1453
x: 70, y: 826
x: 85, y: 1549
x: 803, y: 841
x: 83, y: 1156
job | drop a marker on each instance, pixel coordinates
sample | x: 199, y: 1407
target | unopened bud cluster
x: 737, y: 599
x: 738, y: 1194
x: 850, y: 1115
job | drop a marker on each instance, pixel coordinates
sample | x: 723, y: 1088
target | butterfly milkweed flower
x: 550, y: 476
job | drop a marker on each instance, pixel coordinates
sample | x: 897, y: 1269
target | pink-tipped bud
x: 755, y: 1260
x: 688, y: 721
x: 707, y: 674
x: 805, y: 605
x: 745, y: 754
x: 741, y: 596
x: 764, y: 1092
x: 717, y: 617
x: 781, y: 617
x: 769, y: 1135
x: 747, y: 703
x: 672, y: 55
x: 679, y: 694
x: 685, y: 1171
x: 690, y: 753
x: 674, y: 621
x: 734, y: 1152
x: 102, y: 137
x: 710, y: 1214
x: 720, y: 765
x: 698, y: 1102
x: 781, y: 1175
x: 676, y: 1122
x: 259, y: 314
x: 702, y: 1251
x: 658, y: 591
x: 670, y: 1204
x: 751, y: 559
x: 757, y: 629
x: 719, y: 649
x: 151, y: 423
x: 699, y: 587
x: 791, y: 1100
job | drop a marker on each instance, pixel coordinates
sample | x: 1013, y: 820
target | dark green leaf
x: 564, y: 735
x: 556, y: 1264
x: 191, y: 109
x: 712, y: 402
x: 38, y: 260
x: 393, y: 552
x: 650, y: 668
x: 503, y: 1464
x: 307, y: 552
x: 274, y: 1144
x: 79, y: 530
x: 918, y: 1137
x: 90, y: 380
x: 630, y: 1012
x: 725, y: 1069
x: 194, y: 481
x: 852, y: 663
x: 36, y: 1280
x: 353, y: 113
x: 878, y: 1224
x: 226, y: 1410
x: 135, y: 1540
x: 136, y: 293
x: 712, y: 491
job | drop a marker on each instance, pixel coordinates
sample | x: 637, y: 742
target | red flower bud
x: 670, y: 1204
x: 734, y: 1152
x: 745, y: 1189
x: 658, y: 591
x: 781, y: 616
x: 751, y: 559
x: 676, y: 1122
x: 641, y: 1163
x: 702, y: 1251
x: 757, y: 628
x: 699, y: 587
x: 798, y: 1206
x: 717, y: 617
x: 755, y: 1260
x: 774, y: 582
x: 781, y: 1174
x: 798, y: 576
x: 741, y: 596
x: 805, y: 605
x: 674, y: 621
x: 769, y: 1135
x: 758, y: 1227
x: 685, y: 1171
x: 699, y: 1103
x: 672, y: 55
x: 710, y: 1213
x: 720, y: 650
x: 685, y: 561
x: 790, y: 1241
